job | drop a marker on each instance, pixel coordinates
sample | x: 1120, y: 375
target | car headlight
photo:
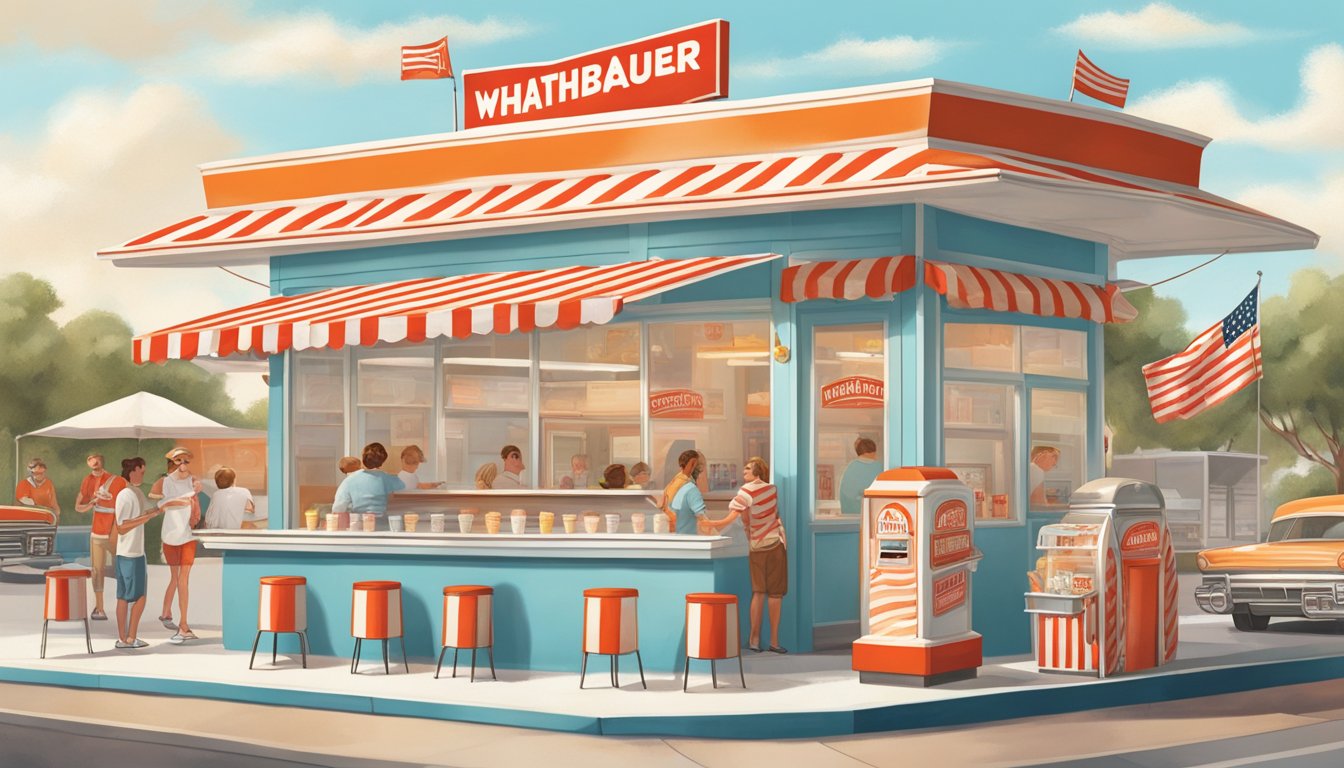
x: 1339, y: 593
x: 39, y: 546
x: 1202, y: 562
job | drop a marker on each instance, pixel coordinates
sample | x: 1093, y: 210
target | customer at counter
x: 641, y: 475
x: 512, y: 476
x: 486, y: 475
x: 682, y: 500
x: 366, y: 491
x: 613, y: 478
x: 411, y: 459
x: 578, y: 472
x: 756, y: 503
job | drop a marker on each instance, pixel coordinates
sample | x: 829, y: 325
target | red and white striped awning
x: 425, y: 308
x: 981, y: 288
x: 965, y: 288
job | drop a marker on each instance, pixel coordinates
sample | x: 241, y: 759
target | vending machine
x: 917, y: 556
x: 1104, y: 593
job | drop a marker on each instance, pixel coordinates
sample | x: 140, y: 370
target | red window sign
x: 1140, y: 536
x: 676, y: 404
x: 951, y: 516
x: 853, y: 392
x: 678, y: 67
x: 945, y: 548
x: 949, y: 592
x: 893, y: 520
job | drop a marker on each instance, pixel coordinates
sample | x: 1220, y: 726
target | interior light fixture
x: 732, y: 354
x: 740, y: 363
x: 847, y: 355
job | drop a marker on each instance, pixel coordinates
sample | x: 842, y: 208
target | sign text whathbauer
x: 678, y: 67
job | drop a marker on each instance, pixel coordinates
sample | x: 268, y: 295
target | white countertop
x: 595, y: 546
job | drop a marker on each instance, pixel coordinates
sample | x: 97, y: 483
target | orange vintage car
x: 1298, y: 572
x: 27, y: 537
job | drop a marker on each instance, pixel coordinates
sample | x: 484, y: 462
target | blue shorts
x: 131, y: 578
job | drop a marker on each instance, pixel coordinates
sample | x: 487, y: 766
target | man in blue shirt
x: 860, y: 474
x: 367, y: 489
x: 687, y: 501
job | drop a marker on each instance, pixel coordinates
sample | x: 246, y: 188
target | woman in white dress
x: 179, y: 545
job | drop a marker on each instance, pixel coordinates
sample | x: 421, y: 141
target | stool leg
x: 615, y: 671
x: 275, y: 645
x: 253, y: 660
x: 583, y: 670
x: 88, y: 640
x: 685, y: 674
x: 303, y: 648
x: 455, y: 650
x: 713, y: 673
x: 739, y: 671
x: 405, y: 662
x: 439, y: 668
x: 473, y: 665
x: 386, y: 669
x: 44, y: 638
x: 641, y: 670
x: 354, y: 660
x: 491, y: 648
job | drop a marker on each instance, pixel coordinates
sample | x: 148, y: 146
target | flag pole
x: 1259, y: 422
x: 454, y: 79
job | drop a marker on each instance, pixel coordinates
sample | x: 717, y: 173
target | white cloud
x: 128, y: 30
x: 1315, y: 205
x: 1209, y: 107
x: 111, y: 167
x: 1156, y: 25
x: 852, y: 56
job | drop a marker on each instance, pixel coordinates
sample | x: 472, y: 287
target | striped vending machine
x: 917, y: 558
x: 1104, y: 592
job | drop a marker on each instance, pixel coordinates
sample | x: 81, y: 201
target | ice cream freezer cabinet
x: 1103, y: 595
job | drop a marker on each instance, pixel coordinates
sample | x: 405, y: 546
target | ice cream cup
x: 546, y: 520
x: 356, y: 523
x: 464, y: 522
x: 613, y: 522
x: 394, y: 523
x: 343, y: 521
x: 590, y: 523
x: 660, y: 523
x: 370, y: 522
x: 436, y: 522
x: 333, y: 521
x: 492, y: 520
x: 411, y: 519
x: 637, y: 522
x: 570, y: 520
x: 310, y: 519
x: 518, y: 523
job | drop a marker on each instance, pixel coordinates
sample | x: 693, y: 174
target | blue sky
x: 109, y: 107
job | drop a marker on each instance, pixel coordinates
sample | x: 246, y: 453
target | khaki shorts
x: 769, y: 570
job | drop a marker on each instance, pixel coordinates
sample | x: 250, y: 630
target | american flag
x: 1218, y: 363
x: 1092, y: 80
x: 426, y: 62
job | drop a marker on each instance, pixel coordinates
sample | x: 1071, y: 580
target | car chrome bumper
x: 1214, y: 596
x: 1311, y: 595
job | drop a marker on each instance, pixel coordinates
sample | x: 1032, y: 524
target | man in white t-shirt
x: 231, y: 504
x: 132, y: 577
x: 512, y: 476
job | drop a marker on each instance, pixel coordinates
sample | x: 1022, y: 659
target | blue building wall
x: 823, y: 555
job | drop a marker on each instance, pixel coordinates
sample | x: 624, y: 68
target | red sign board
x: 676, y: 404
x: 1140, y: 537
x: 853, y: 392
x: 893, y: 520
x: 949, y: 592
x: 945, y: 548
x: 951, y: 516
x: 678, y: 67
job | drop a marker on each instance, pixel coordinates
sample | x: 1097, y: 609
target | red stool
x: 611, y: 627
x: 283, y: 608
x: 375, y: 614
x: 67, y: 600
x: 712, y: 633
x: 467, y: 624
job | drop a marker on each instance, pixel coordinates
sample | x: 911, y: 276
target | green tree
x: 1303, y: 389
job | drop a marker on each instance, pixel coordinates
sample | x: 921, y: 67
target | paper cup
x: 637, y: 522
x: 518, y: 523
x: 310, y: 519
x: 590, y: 523
x: 356, y: 523
x: 370, y: 522
x: 491, y: 525
x: 464, y: 521
x: 546, y: 520
x: 613, y: 522
x: 436, y: 523
x: 660, y: 523
x: 411, y: 519
x: 343, y: 521
x: 333, y: 521
x: 394, y: 523
x: 570, y: 520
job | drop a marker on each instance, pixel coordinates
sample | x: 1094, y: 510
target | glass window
x: 849, y: 379
x: 709, y: 389
x: 487, y: 401
x: 979, y: 431
x: 394, y: 391
x: 1058, y: 456
x: 317, y: 422
x: 981, y: 347
x: 1052, y: 352
x: 590, y: 403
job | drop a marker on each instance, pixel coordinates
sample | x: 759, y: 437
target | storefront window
x: 709, y: 389
x: 590, y: 403
x: 849, y: 380
x: 317, y: 420
x: 1053, y: 352
x: 1058, y: 446
x: 394, y: 392
x: 487, y: 401
x: 979, y: 423
x: 982, y: 347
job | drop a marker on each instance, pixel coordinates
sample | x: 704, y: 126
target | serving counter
x: 538, y: 578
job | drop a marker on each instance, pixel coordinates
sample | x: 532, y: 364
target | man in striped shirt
x: 767, y: 558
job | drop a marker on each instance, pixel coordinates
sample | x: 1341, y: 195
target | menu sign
x: 676, y: 404
x: 945, y: 548
x: 893, y: 520
x: 1140, y: 537
x: 678, y: 67
x: 951, y: 516
x: 949, y: 592
x: 854, y: 392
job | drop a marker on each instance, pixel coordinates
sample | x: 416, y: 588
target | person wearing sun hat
x: 179, y: 545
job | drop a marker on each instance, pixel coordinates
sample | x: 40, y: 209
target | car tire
x: 1249, y: 622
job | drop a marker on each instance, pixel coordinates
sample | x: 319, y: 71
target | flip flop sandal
x: 168, y: 622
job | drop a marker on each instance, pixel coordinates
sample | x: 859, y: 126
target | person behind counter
x: 1043, y: 459
x: 232, y: 506
x: 411, y: 459
x: 613, y: 478
x: 512, y: 476
x: 367, y: 489
x: 485, y: 476
x: 860, y: 474
x: 767, y: 559
x: 682, y: 500
x: 349, y: 464
x: 578, y: 472
x: 641, y: 475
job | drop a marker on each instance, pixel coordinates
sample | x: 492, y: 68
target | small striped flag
x: 426, y: 62
x: 1092, y: 80
x: 1217, y: 364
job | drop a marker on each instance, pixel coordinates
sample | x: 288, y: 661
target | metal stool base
x: 713, y: 673
x: 615, y: 668
x: 88, y: 640
x: 275, y: 644
x: 489, y: 648
x: 387, y: 670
